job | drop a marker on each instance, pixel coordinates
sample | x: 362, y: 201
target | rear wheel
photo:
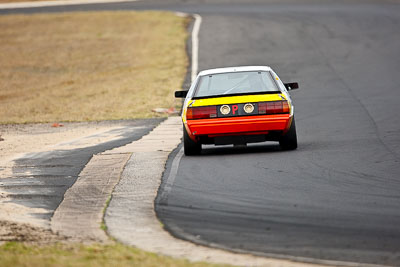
x: 289, y: 140
x: 190, y: 147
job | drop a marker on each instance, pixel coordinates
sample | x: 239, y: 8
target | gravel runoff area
x: 20, y: 222
x: 15, y: 141
x: 23, y: 139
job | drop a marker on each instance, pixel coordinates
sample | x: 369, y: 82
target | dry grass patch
x: 89, y: 66
x: 16, y: 1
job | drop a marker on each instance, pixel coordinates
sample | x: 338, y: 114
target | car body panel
x: 245, y: 124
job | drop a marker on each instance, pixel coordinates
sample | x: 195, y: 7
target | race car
x: 237, y: 105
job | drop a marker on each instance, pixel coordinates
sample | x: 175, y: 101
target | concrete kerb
x: 80, y: 214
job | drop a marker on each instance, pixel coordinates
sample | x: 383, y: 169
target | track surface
x: 338, y: 196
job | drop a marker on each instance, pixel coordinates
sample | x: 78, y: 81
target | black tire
x: 289, y: 140
x: 190, y: 147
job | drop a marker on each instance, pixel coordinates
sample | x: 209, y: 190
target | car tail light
x: 201, y: 113
x: 273, y: 107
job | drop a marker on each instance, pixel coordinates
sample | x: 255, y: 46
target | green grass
x: 103, y: 225
x: 19, y: 254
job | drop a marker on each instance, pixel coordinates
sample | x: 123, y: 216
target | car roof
x: 234, y: 69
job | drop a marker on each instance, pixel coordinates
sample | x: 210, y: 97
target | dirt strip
x: 22, y: 232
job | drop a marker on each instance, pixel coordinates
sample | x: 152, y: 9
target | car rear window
x: 236, y: 83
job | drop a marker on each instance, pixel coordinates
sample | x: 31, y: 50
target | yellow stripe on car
x: 236, y: 99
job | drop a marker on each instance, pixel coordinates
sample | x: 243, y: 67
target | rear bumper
x: 237, y: 125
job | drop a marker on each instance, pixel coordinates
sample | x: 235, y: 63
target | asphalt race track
x: 338, y: 196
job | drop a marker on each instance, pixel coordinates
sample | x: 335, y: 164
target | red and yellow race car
x: 237, y: 105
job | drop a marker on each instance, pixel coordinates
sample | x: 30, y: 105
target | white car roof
x: 234, y: 69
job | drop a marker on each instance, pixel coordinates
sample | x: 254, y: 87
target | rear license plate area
x: 234, y: 110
